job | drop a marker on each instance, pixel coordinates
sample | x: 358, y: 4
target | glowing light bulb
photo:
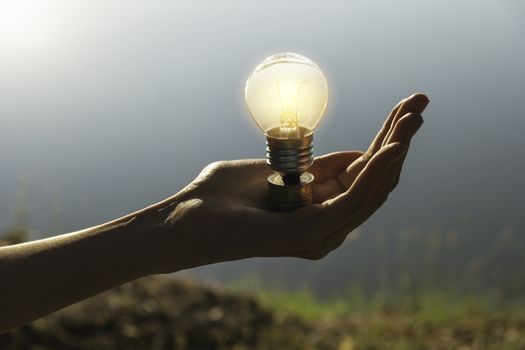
x: 287, y: 95
x: 288, y: 91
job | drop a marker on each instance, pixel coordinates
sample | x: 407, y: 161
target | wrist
x: 158, y: 230
x: 143, y: 236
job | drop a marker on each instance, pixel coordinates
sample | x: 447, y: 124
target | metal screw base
x: 289, y: 156
x: 287, y: 197
x: 291, y: 186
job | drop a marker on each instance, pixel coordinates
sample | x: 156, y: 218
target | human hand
x: 222, y: 214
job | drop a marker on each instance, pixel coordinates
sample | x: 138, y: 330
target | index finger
x: 414, y: 104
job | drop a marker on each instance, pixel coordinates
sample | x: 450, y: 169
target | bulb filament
x: 289, y: 93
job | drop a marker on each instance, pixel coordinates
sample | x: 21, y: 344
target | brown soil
x: 160, y: 312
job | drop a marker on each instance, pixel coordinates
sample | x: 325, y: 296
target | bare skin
x: 220, y: 216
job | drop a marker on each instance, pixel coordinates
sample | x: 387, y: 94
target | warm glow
x: 287, y: 95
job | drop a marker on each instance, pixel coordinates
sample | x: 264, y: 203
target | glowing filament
x: 289, y: 93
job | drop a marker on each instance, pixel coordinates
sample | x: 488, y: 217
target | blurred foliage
x: 14, y: 235
x: 437, y: 258
x: 19, y: 231
x: 408, y: 260
x: 163, y: 312
x: 425, y: 320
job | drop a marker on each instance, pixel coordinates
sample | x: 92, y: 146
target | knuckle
x: 214, y: 168
x: 208, y: 169
x: 218, y: 165
x: 366, y: 156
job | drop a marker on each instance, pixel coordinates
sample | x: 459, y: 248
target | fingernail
x: 426, y: 102
x: 422, y: 100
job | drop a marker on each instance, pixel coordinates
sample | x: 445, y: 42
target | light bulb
x: 287, y: 95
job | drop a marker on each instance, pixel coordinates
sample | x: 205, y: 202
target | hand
x: 218, y: 217
x: 222, y: 214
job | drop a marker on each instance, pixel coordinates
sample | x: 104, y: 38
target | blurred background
x: 108, y: 106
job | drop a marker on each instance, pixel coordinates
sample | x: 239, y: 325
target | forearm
x: 42, y: 276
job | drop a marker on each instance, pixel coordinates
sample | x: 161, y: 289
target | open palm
x: 349, y: 187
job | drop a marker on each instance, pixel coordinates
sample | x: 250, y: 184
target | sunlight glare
x: 24, y: 25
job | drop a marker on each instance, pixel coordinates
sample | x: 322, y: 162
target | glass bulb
x: 287, y: 95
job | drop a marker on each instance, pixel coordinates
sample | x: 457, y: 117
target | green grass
x: 431, y: 304
x: 430, y: 319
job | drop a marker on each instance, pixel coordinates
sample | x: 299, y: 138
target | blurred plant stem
x: 19, y: 231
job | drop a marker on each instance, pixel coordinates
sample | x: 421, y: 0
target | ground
x: 163, y: 312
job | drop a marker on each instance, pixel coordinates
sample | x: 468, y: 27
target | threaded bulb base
x: 291, y: 186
